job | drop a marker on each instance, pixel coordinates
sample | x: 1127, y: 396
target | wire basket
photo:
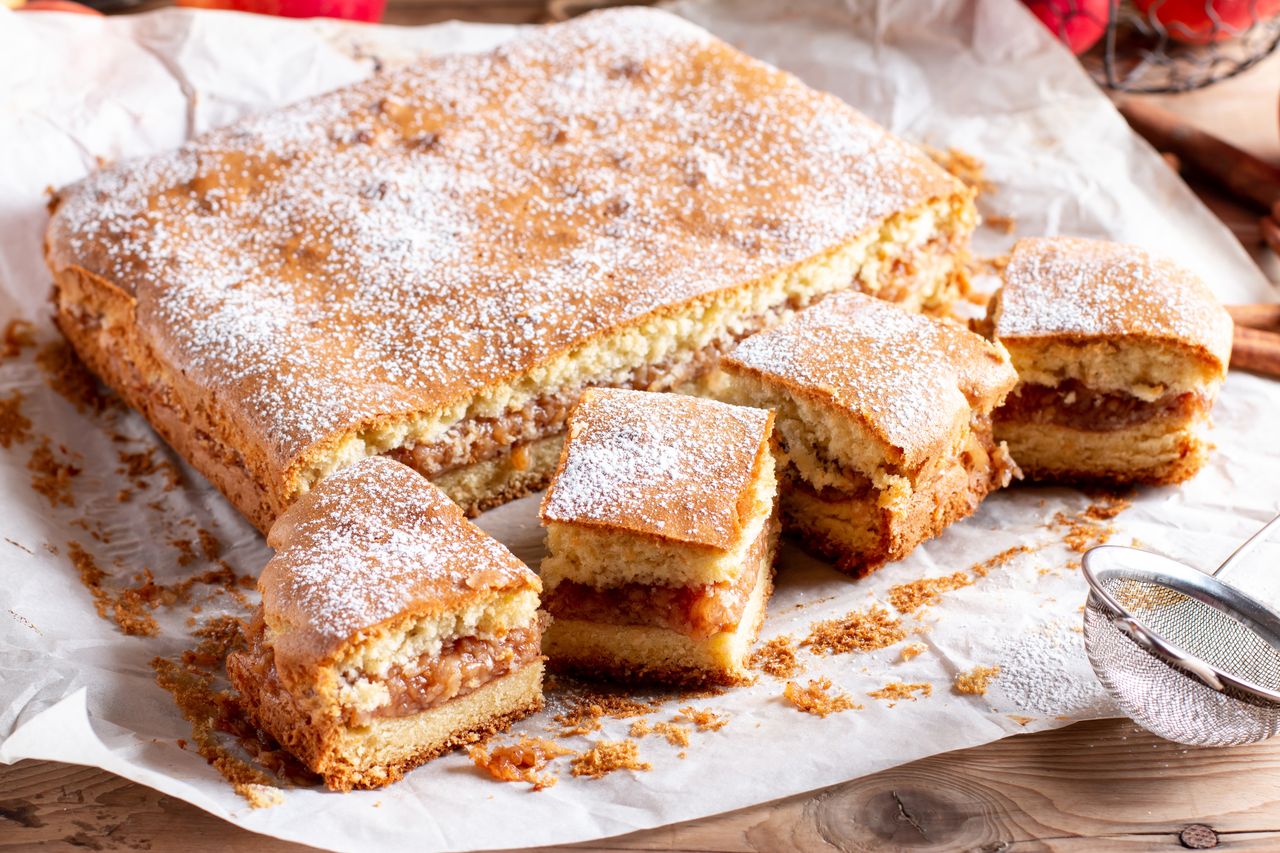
x: 1150, y: 47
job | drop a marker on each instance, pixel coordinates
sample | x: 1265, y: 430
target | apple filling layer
x: 697, y: 611
x: 463, y: 665
x: 1072, y: 404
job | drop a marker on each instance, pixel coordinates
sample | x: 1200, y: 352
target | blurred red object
x: 1207, y: 21
x: 57, y: 6
x: 1077, y: 23
x: 351, y: 10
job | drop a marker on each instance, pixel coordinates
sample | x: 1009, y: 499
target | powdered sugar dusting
x: 1072, y: 286
x: 400, y: 244
x: 370, y: 542
x: 909, y: 378
x: 663, y: 464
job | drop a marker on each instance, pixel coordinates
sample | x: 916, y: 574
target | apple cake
x: 661, y: 530
x: 883, y: 422
x: 391, y: 629
x: 1119, y: 355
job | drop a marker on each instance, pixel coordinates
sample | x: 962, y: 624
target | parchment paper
x: 977, y: 74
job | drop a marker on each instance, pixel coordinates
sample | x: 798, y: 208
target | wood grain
x: 1097, y: 785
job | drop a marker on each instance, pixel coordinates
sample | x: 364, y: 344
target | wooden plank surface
x: 1102, y: 785
x: 1092, y: 786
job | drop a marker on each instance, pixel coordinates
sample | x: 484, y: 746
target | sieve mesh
x: 1162, y: 697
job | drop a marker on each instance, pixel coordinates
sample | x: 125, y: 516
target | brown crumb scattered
x: 777, y: 658
x: 675, y: 735
x: 209, y: 544
x: 913, y: 650
x: 856, y: 631
x: 51, y: 476
x: 128, y: 608
x: 1087, y: 528
x: 186, y: 550
x: 640, y: 728
x: 909, y: 597
x: 606, y: 756
x: 15, y: 427
x: 962, y: 165
x: 192, y: 680
x: 143, y: 464
x: 67, y: 375
x: 815, y: 698
x: 693, y: 695
x: 897, y: 691
x: 585, y: 712
x: 704, y: 720
x: 1007, y: 224
x: 984, y: 568
x: 18, y: 335
x: 1020, y: 719
x: 260, y: 796
x: 1107, y: 507
x: 976, y: 681
x: 521, y: 761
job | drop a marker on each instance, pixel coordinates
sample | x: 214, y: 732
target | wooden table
x: 1103, y: 785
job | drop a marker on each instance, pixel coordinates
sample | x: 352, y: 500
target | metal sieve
x: 1185, y: 655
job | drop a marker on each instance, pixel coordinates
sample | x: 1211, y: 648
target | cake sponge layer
x: 1160, y: 451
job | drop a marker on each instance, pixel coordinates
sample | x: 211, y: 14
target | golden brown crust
x: 911, y: 382
x: 373, y: 545
x: 232, y: 297
x: 1075, y: 291
x: 666, y: 466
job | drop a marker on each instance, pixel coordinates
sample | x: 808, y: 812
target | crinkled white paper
x: 980, y: 75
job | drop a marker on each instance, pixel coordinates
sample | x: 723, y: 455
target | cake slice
x: 391, y: 629
x: 661, y: 531
x: 884, y: 421
x: 1119, y: 357
x: 433, y: 263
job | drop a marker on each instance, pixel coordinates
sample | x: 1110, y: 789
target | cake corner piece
x: 884, y: 422
x: 1120, y: 354
x: 661, y: 532
x: 391, y: 630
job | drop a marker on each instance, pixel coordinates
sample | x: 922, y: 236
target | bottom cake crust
x: 380, y: 753
x: 1159, y: 452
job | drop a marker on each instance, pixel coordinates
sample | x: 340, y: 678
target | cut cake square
x: 661, y: 531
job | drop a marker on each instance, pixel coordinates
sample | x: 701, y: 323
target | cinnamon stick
x: 1257, y: 351
x: 1263, y: 315
x: 1244, y: 175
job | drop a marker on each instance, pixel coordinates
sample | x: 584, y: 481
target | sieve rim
x: 1239, y: 606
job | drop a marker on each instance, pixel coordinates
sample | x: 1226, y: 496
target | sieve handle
x: 1249, y: 544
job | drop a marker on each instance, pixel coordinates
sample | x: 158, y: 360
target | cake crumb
x: 815, y: 698
x: 51, y: 476
x: 1020, y: 719
x: 913, y: 650
x: 260, y: 796
x: 521, y: 761
x: 18, y: 336
x: 606, y: 756
x: 984, y: 568
x: 128, y: 608
x: 909, y: 597
x: 856, y: 631
x: 963, y: 166
x: 777, y: 657
x: 976, y: 681
x: 704, y: 720
x: 898, y: 691
x: 15, y: 427
x: 1005, y: 224
x: 585, y: 712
